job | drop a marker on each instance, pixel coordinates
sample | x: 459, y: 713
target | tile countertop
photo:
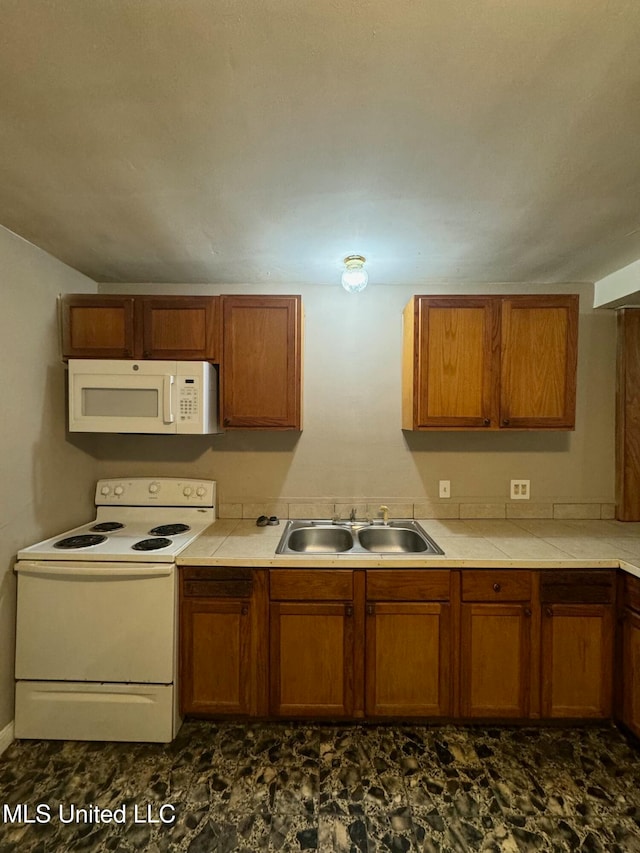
x: 534, y: 543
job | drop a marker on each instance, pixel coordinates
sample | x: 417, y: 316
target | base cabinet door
x: 631, y: 671
x: 216, y: 656
x: 407, y: 667
x: 577, y: 660
x: 312, y: 659
x: 495, y: 660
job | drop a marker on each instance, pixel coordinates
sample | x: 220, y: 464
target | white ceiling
x: 240, y: 141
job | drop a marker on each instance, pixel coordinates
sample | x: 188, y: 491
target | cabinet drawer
x: 310, y: 585
x: 581, y: 587
x: 632, y: 592
x: 489, y: 585
x: 216, y: 582
x: 217, y: 589
x: 411, y: 585
x: 215, y: 573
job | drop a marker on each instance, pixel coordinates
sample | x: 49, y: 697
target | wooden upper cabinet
x: 180, y: 327
x: 157, y: 327
x: 262, y: 362
x: 539, y: 348
x: 98, y: 326
x: 490, y: 362
x: 450, y: 362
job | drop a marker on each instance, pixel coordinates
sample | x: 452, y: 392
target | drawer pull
x: 548, y: 611
x: 496, y: 587
x: 348, y: 610
x: 371, y: 609
x: 527, y: 612
x: 245, y: 609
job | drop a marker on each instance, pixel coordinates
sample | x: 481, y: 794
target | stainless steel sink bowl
x: 318, y: 540
x: 312, y: 536
x: 393, y: 540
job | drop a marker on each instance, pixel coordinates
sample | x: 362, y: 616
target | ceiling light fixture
x: 355, y: 276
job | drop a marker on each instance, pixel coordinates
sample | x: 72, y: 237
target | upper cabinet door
x: 450, y: 362
x: 262, y: 362
x: 96, y: 326
x: 179, y: 327
x: 539, y: 347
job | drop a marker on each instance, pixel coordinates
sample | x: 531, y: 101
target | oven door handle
x: 114, y: 571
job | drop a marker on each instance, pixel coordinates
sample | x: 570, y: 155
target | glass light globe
x: 354, y: 277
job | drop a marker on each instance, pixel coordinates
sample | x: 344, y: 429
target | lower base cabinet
x: 311, y: 643
x: 223, y: 637
x: 577, y: 654
x: 629, y: 655
x: 473, y: 644
x: 495, y: 643
x: 408, y: 671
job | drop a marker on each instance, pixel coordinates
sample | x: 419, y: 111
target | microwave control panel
x: 189, y: 399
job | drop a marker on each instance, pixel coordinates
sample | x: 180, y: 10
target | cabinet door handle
x: 348, y: 610
x: 245, y: 609
x: 146, y: 354
x: 486, y: 421
x: 548, y: 611
x: 371, y: 610
x: 506, y: 422
x: 496, y: 587
x: 527, y: 611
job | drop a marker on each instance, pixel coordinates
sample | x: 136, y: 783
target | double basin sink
x: 327, y: 537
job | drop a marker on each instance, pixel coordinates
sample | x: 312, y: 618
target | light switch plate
x: 520, y: 490
x: 444, y: 488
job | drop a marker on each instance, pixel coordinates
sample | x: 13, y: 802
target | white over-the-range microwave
x: 164, y: 397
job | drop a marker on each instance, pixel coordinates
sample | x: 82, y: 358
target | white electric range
x: 96, y: 632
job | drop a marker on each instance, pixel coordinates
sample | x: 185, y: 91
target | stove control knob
x: 118, y: 490
x: 105, y: 490
x: 154, y: 488
x: 187, y: 491
x: 200, y: 491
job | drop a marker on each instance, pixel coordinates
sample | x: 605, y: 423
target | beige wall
x: 352, y: 445
x: 45, y: 482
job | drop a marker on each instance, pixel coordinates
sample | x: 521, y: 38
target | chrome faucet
x: 385, y: 513
x: 352, y: 514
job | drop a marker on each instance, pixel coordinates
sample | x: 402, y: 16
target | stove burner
x: 169, y: 529
x: 151, y: 544
x: 106, y: 526
x: 81, y: 541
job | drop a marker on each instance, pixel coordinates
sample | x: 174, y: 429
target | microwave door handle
x: 167, y: 410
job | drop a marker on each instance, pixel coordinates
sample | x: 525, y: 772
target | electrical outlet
x: 444, y: 489
x: 520, y: 490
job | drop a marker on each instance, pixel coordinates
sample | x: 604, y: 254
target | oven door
x: 122, y: 396
x: 100, y: 622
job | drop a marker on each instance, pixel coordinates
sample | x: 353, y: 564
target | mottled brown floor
x: 339, y: 789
